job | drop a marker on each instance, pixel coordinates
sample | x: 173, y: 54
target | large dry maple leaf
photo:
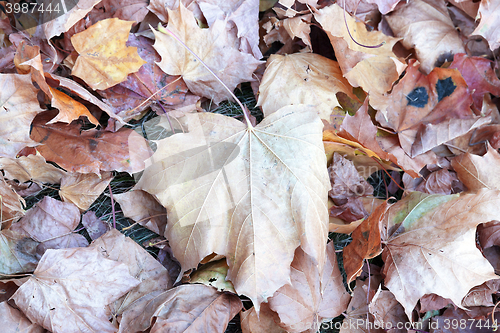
x: 253, y: 194
x: 430, y: 245
x: 215, y: 46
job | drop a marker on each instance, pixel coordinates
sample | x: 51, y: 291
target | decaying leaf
x: 215, y: 46
x: 430, y: 245
x: 141, y: 265
x: 312, y: 296
x: 213, y: 274
x: 488, y: 25
x: 70, y: 288
x: 144, y: 209
x: 104, y: 59
x: 427, y: 110
x: 92, y: 150
x: 82, y: 189
x: 18, y: 108
x: 51, y: 222
x: 17, y: 253
x: 302, y: 78
x: 374, y: 68
x: 218, y: 183
x: 426, y: 26
x: 477, y: 172
x: 187, y: 308
x: 31, y: 167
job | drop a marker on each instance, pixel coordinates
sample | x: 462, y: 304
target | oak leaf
x: 70, y: 288
x: 312, y: 296
x: 18, y: 108
x: 426, y: 26
x: 215, y: 46
x: 253, y: 213
x: 430, y: 245
x: 302, y: 78
x: 104, y: 59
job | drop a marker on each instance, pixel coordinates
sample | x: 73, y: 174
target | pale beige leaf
x: 244, y: 193
x: 312, y: 297
x: 144, y: 209
x: 52, y: 222
x: 387, y: 311
x: 478, y: 172
x: 266, y: 321
x: 31, y: 167
x: 13, y: 321
x: 152, y: 275
x: 302, y: 78
x: 82, y: 189
x: 426, y: 26
x: 488, y: 27
x: 375, y: 69
x: 215, y: 46
x: 70, y: 288
x: 11, y: 205
x: 17, y: 253
x: 189, y: 308
x: 430, y: 245
x: 18, y: 108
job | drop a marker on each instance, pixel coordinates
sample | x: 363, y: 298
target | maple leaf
x: 152, y: 275
x: 52, y: 222
x: 476, y: 172
x: 303, y: 78
x: 150, y: 84
x: 187, y: 308
x: 28, y: 60
x: 104, y: 59
x: 18, y: 108
x: 92, y: 150
x: 426, y: 26
x: 312, y: 297
x: 265, y: 321
x: 70, y: 288
x: 479, y: 76
x: 14, y: 321
x: 17, y: 253
x: 373, y: 69
x: 144, y: 209
x: 430, y: 245
x: 254, y: 218
x: 215, y: 46
x: 488, y: 25
x: 11, y: 205
x: 83, y: 189
x: 427, y: 111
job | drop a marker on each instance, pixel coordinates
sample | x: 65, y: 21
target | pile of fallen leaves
x: 244, y: 209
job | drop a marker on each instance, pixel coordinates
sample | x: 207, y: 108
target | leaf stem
x: 243, y: 108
